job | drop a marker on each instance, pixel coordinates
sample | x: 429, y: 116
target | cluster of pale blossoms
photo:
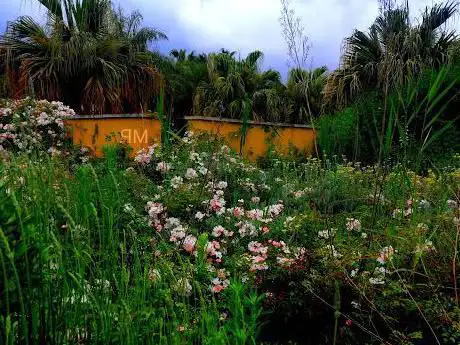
x: 378, y: 277
x: 386, y: 254
x: 232, y: 227
x: 454, y: 205
x: 327, y: 234
x: 353, y: 224
x: 157, y: 215
x: 247, y: 223
x: 163, y: 167
x: 26, y: 125
x: 221, y: 282
x: 406, y: 212
x: 144, y: 156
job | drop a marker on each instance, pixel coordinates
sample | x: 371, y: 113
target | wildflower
x: 284, y: 262
x: 396, y: 212
x: 277, y: 244
x: 189, y: 244
x: 354, y: 272
x: 216, y: 204
x: 128, y: 208
x: 348, y: 323
x: 265, y: 229
x: 212, y: 249
x: 275, y: 210
x: 156, y: 213
x: 298, y: 194
x: 176, y: 182
x: 194, y: 156
x: 427, y: 246
x: 363, y: 235
x: 218, y: 231
x: 221, y: 185
x: 217, y: 288
x: 255, y: 214
x: 177, y: 234
x: 144, y: 156
x: 258, y: 267
x: 249, y: 185
x: 288, y: 221
x: 379, y: 276
x: 181, y: 328
x: 225, y: 149
x: 191, y: 174
x: 326, y: 234
x: 54, y: 151
x: 171, y: 223
x: 423, y: 227
x: 220, y: 283
x: 376, y: 281
x: 258, y: 259
x: 353, y: 224
x: 331, y: 249
x: 407, y: 212
x: 256, y: 247
x: 222, y: 274
x: 386, y: 254
x: 255, y: 199
x: 452, y: 204
x: 199, y: 216
x: 163, y: 167
x: 203, y: 171
x: 246, y: 229
x: 265, y: 186
x: 237, y: 212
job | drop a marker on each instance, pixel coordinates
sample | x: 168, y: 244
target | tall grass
x: 76, y: 268
x: 412, y: 123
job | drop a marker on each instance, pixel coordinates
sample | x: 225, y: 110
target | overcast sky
x: 242, y: 25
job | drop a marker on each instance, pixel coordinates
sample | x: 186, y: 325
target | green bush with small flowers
x: 191, y: 244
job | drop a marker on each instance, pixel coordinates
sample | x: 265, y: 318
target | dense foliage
x: 88, y: 55
x: 192, y: 245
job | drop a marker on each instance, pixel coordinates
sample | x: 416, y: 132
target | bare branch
x: 293, y: 31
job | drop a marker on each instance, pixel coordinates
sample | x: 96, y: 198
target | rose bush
x: 27, y: 125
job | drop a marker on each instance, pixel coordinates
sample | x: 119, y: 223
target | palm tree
x: 393, y: 50
x: 183, y: 73
x: 88, y: 55
x: 234, y: 84
x: 305, y: 93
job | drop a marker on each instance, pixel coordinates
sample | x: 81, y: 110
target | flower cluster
x: 144, y: 156
x: 27, y: 125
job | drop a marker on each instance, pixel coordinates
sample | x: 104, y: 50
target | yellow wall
x: 94, y: 133
x: 259, y: 137
x: 140, y: 132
